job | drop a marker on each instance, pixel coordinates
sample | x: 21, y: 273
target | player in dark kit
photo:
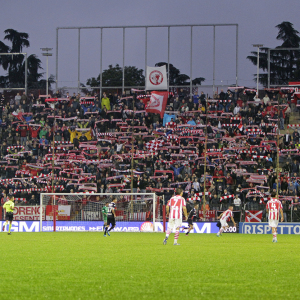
x: 111, y: 217
x: 191, y: 217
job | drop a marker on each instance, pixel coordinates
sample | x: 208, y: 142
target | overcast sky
x: 256, y: 20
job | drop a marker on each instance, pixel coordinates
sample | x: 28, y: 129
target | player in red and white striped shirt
x: 174, y: 211
x: 273, y: 207
x: 224, y: 216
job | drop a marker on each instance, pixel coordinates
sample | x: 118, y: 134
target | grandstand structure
x: 221, y: 151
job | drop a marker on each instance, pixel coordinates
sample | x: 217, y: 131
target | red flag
x: 19, y: 115
x: 157, y: 103
x: 253, y: 215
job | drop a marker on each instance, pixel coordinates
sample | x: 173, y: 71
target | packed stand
x: 96, y: 140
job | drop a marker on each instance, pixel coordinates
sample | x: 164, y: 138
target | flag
x: 156, y: 78
x: 153, y: 145
x: 253, y: 215
x: 157, y: 103
x: 240, y: 127
x: 19, y: 115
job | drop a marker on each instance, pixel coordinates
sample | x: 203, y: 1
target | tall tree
x: 176, y: 78
x: 15, y: 64
x: 113, y: 77
x: 33, y: 66
x: 19, y: 40
x: 284, y: 64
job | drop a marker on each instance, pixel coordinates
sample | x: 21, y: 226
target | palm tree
x: 33, y: 66
x: 18, y: 39
x: 15, y: 63
x: 4, y: 59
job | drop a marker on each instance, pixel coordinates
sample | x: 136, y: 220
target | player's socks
x: 168, y: 233
x: 3, y: 227
x: 176, y: 236
x: 220, y: 232
x: 9, y: 228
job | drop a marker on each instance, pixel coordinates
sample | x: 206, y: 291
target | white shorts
x: 273, y: 223
x: 174, y: 223
x: 223, y: 223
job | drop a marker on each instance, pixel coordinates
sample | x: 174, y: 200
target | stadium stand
x: 91, y: 139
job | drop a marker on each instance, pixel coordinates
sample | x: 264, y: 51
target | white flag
x: 156, y: 78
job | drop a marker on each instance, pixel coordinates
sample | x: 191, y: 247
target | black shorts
x: 111, y: 220
x: 190, y: 221
x: 9, y: 216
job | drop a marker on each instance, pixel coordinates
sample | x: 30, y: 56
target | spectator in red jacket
x: 34, y: 131
x: 218, y: 171
x: 229, y: 179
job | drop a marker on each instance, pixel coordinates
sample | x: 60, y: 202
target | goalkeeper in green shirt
x: 104, y: 212
x: 9, y: 208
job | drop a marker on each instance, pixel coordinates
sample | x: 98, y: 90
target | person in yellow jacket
x: 105, y: 102
x: 9, y: 208
x: 72, y: 134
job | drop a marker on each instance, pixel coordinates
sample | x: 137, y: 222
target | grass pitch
x: 86, y: 265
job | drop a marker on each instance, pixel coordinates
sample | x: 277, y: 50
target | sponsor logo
x: 147, y: 227
x: 34, y: 226
x: 23, y: 226
x: 264, y: 228
x: 231, y: 229
x: 28, y: 213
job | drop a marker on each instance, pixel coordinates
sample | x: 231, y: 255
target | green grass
x: 86, y: 265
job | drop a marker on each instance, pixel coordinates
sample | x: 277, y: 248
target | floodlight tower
x: 47, y: 54
x: 257, y: 79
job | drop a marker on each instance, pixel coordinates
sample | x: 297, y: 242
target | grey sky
x: 256, y: 19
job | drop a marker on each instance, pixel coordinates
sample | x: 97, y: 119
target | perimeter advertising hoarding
x: 264, y: 228
x: 28, y: 213
x: 34, y: 226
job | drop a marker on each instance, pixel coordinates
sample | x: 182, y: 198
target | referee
x: 9, y: 208
x: 111, y: 216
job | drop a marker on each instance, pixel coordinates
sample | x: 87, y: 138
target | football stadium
x: 132, y: 167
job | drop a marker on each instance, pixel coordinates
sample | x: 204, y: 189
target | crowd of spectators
x: 97, y: 140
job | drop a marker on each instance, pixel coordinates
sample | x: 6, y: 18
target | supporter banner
x: 209, y: 214
x: 157, y: 103
x: 29, y: 213
x: 156, y: 78
x: 92, y: 215
x: 63, y: 212
x: 263, y: 228
x: 47, y: 226
x: 253, y: 215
